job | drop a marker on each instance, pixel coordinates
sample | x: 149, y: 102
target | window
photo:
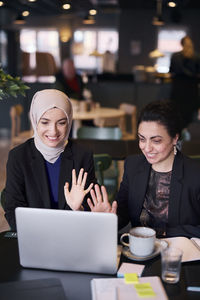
x: 34, y: 41
x: 168, y: 43
x: 89, y: 45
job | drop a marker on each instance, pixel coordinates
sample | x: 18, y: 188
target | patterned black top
x: 155, y: 208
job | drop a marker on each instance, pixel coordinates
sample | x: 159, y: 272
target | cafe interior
x: 120, y: 48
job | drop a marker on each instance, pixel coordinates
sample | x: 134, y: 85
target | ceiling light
x: 32, y: 0
x: 92, y: 12
x: 20, y: 20
x: 1, y: 3
x: 25, y: 13
x: 171, y: 4
x: 65, y: 34
x: 88, y: 20
x: 158, y: 21
x: 66, y: 6
x: 95, y: 53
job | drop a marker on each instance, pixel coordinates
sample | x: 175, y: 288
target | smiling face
x: 157, y: 145
x: 52, y: 127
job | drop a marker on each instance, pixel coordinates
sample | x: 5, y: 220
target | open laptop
x: 67, y: 240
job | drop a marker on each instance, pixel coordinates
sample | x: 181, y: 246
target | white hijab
x: 41, y: 102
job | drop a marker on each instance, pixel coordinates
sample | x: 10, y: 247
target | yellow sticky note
x: 131, y: 278
x: 144, y: 290
x: 146, y: 293
x: 143, y: 286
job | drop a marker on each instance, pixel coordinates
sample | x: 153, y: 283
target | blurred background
x: 136, y: 37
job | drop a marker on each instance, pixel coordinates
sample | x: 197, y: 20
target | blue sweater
x: 53, y: 172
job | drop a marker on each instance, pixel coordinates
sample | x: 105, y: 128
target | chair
x: 106, y: 122
x: 130, y: 111
x: 101, y: 162
x: 99, y: 133
x: 103, y: 165
x: 111, y: 173
x: 26, y: 68
x: 45, y: 64
x: 122, y: 122
x: 17, y: 136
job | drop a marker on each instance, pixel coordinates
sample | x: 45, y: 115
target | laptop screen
x: 67, y: 240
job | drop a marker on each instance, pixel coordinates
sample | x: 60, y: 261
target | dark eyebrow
x: 44, y: 119
x: 152, y: 137
x: 140, y: 134
x: 63, y: 119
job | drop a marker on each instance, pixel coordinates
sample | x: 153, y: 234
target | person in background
x: 160, y: 187
x: 68, y: 81
x: 41, y: 172
x: 109, y: 63
x: 71, y: 83
x: 185, y: 73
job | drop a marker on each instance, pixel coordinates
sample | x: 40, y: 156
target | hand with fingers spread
x: 99, y: 202
x: 75, y: 196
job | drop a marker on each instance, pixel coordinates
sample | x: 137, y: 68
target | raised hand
x: 75, y: 196
x: 99, y: 202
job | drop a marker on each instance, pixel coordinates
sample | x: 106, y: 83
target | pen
x: 116, y: 293
x: 193, y: 288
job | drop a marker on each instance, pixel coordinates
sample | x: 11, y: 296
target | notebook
x: 48, y: 289
x: 116, y: 288
x: 190, y: 247
x: 67, y: 240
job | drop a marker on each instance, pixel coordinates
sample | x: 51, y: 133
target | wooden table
x: 100, y: 112
x: 96, y: 113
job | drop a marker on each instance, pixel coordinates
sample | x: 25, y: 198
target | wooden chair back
x: 45, y: 64
x: 18, y: 136
x: 130, y: 110
x: 15, y: 115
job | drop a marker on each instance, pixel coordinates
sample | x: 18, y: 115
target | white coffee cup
x: 141, y: 240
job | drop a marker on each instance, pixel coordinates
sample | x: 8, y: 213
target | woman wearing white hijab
x: 42, y: 171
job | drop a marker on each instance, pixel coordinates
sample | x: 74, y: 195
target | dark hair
x: 184, y: 38
x: 163, y: 112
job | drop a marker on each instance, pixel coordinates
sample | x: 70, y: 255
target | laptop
x: 67, y: 240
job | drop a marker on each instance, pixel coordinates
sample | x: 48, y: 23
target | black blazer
x: 184, y: 200
x: 27, y: 182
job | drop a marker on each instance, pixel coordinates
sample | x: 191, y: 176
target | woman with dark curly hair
x: 160, y: 187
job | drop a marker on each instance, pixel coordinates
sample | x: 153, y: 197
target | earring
x: 175, y: 150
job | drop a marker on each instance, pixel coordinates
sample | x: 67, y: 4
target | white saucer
x: 159, y: 245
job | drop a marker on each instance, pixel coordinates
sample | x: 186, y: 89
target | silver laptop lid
x: 67, y: 240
